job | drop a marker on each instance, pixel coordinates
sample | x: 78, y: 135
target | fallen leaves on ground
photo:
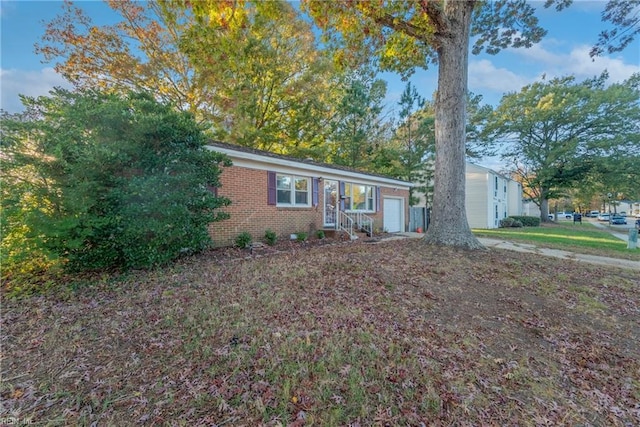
x: 396, y: 333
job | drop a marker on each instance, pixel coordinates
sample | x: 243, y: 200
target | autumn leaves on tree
x: 256, y: 73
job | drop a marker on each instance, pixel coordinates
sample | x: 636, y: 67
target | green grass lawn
x: 583, y: 238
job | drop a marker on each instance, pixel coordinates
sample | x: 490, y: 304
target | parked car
x: 603, y: 217
x: 592, y: 214
x: 566, y: 215
x: 617, y: 219
x: 638, y: 224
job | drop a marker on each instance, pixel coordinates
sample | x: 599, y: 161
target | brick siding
x: 249, y: 211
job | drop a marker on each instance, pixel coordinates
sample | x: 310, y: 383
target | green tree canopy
x: 358, y: 125
x: 556, y: 133
x: 405, y: 35
x: 95, y: 181
x: 253, y: 74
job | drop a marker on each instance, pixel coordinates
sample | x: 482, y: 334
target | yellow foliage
x: 546, y: 102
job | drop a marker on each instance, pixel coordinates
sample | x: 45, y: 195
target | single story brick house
x: 288, y: 195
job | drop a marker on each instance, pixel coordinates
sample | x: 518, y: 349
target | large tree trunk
x: 544, y: 205
x: 449, y: 224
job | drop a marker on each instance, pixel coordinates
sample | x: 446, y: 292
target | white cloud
x: 484, y: 75
x: 581, y: 65
x: 577, y: 62
x: 15, y: 82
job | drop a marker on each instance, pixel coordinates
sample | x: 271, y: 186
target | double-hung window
x: 359, y: 197
x: 292, y: 190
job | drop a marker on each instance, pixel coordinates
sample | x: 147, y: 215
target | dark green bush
x: 527, y: 221
x: 243, y: 240
x: 301, y: 236
x: 100, y: 181
x: 270, y: 237
x: 510, y: 222
x: 506, y: 223
x: 320, y: 234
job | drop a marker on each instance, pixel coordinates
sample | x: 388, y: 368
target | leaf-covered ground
x: 396, y: 333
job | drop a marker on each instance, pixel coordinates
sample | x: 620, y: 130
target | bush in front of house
x: 270, y: 237
x: 320, y: 234
x: 96, y: 181
x: 243, y: 240
x: 506, y: 223
x: 526, y: 221
x: 510, y: 222
x: 301, y: 236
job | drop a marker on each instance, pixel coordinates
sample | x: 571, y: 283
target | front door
x: 330, y: 202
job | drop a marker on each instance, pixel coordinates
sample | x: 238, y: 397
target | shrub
x: 270, y: 237
x: 507, y: 222
x: 301, y: 236
x: 124, y: 185
x: 510, y: 222
x: 320, y: 234
x: 243, y: 240
x: 527, y: 221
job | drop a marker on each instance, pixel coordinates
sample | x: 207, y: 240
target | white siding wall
x: 514, y: 198
x: 478, y: 187
x: 490, y: 197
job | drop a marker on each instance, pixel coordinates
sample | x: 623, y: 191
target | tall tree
x: 556, y: 133
x: 255, y: 76
x: 415, y: 137
x: 358, y: 124
x: 276, y: 88
x: 140, y: 52
x: 405, y: 35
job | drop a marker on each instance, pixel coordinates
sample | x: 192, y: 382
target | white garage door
x: 393, y: 214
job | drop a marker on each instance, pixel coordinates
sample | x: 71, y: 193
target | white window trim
x: 293, y: 191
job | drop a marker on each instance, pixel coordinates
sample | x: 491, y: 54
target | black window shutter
x: 341, y: 195
x: 271, y: 188
x: 377, y: 199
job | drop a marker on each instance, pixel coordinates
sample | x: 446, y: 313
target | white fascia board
x: 256, y: 161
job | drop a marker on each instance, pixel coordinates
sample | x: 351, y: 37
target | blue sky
x: 564, y: 51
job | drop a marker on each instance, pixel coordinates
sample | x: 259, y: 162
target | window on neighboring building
x: 292, y: 190
x: 359, y: 197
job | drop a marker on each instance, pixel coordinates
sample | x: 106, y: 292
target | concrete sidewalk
x: 617, y: 234
x: 528, y: 248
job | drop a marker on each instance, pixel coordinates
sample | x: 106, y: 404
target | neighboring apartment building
x: 490, y: 197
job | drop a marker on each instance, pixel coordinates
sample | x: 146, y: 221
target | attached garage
x: 393, y: 214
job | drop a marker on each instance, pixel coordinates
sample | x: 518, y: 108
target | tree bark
x: 449, y: 224
x: 544, y: 205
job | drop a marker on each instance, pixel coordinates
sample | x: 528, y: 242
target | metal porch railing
x: 345, y: 223
x: 362, y: 222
